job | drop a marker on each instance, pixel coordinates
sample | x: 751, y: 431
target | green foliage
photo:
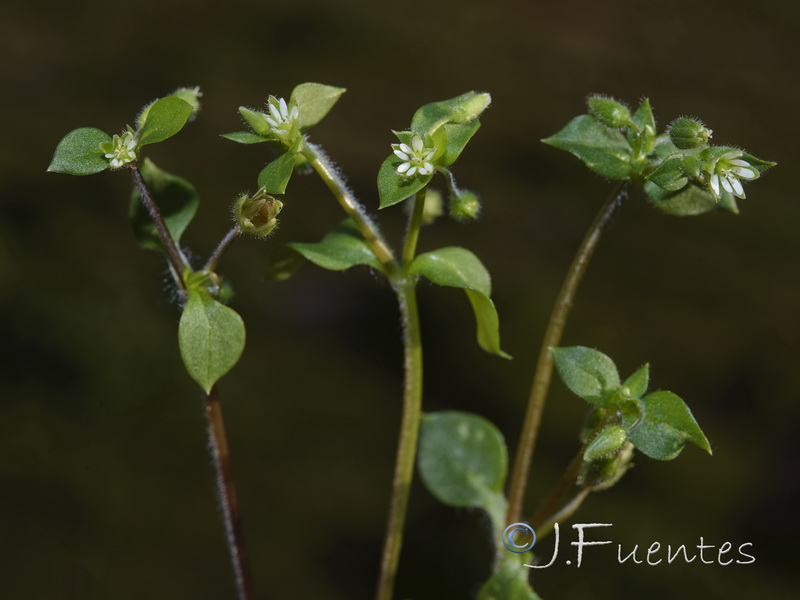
x: 462, y: 461
x: 78, y: 153
x: 609, y: 112
x: 667, y: 426
x: 394, y: 187
x: 509, y: 581
x: 603, y: 149
x: 460, y: 268
x: 276, y: 175
x: 690, y: 201
x: 341, y: 249
x: 256, y: 120
x: 608, y: 441
x: 457, y: 137
x: 635, y: 386
x: 588, y: 374
x: 165, y: 118
x: 315, y: 100
x: 210, y: 336
x: 245, y: 137
x: 177, y: 201
x: 459, y: 110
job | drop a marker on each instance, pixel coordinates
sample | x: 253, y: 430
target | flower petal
x: 715, y: 185
x: 403, y: 168
x: 284, y: 108
x: 428, y: 167
x: 411, y: 171
x: 745, y: 173
x: 737, y: 187
x: 726, y: 185
x: 416, y: 142
x: 402, y: 155
x: 405, y: 148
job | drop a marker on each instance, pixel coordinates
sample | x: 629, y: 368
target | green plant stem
x: 351, y: 206
x: 565, y: 513
x: 552, y: 338
x: 227, y: 497
x: 414, y: 225
x: 556, y: 497
x: 222, y: 248
x: 407, y: 444
x: 174, y: 255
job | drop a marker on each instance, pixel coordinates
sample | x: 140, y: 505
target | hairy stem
x: 351, y: 206
x: 552, y: 338
x: 407, y: 445
x: 227, y: 497
x: 174, y: 255
x: 222, y: 248
x: 414, y: 225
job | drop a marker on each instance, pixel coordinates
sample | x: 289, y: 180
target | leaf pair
x: 658, y: 424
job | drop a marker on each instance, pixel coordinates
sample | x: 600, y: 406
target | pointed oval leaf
x: 603, y: 149
x: 177, y: 200
x: 314, y: 101
x: 78, y: 153
x: 165, y: 118
x: 394, y: 187
x: 457, y: 137
x: 211, y: 338
x: 589, y: 374
x: 460, y: 268
x: 463, y: 460
x: 276, y: 175
x: 690, y: 201
x: 245, y: 137
x: 667, y: 426
x: 635, y: 386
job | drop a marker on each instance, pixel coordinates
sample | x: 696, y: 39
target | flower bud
x: 609, y: 112
x: 602, y: 473
x: 465, y: 206
x: 257, y: 215
x: 470, y: 108
x: 606, y: 443
x: 688, y: 133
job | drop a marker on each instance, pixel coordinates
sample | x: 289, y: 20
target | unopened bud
x: 257, y: 215
x: 465, y: 206
x: 609, y: 112
x: 688, y: 133
x: 469, y: 107
x: 606, y: 443
x: 602, y: 473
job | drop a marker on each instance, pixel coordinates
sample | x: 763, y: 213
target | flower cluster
x: 417, y: 157
x: 121, y: 150
x: 283, y: 118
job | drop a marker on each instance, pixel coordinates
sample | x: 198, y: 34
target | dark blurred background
x: 106, y: 487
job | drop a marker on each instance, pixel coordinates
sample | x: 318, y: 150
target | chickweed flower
x: 417, y: 157
x: 725, y: 172
x: 283, y: 118
x: 121, y: 150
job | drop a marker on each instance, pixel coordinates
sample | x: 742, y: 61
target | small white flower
x: 282, y: 117
x: 121, y: 150
x: 726, y: 171
x: 417, y: 157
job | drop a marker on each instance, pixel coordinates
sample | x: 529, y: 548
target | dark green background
x: 106, y: 488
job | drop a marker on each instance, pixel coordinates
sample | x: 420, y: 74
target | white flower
x: 417, y: 157
x: 121, y: 150
x: 282, y: 117
x: 727, y: 170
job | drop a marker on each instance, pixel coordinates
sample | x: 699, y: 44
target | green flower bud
x: 471, y: 108
x: 609, y: 112
x: 257, y: 215
x: 465, y: 205
x: 688, y: 133
x: 609, y: 441
x: 602, y: 473
x: 191, y: 96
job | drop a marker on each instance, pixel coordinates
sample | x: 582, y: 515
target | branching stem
x: 222, y: 248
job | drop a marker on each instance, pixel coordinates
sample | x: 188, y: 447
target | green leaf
x: 460, y: 268
x: 245, y: 137
x: 667, y: 426
x: 314, y: 101
x: 509, y: 582
x: 607, y: 441
x: 462, y: 461
x: 164, y: 119
x: 643, y: 117
x: 256, y: 120
x: 603, y: 149
x: 635, y: 386
x: 177, y: 201
x: 690, y: 201
x: 457, y: 137
x: 211, y: 338
x: 669, y: 175
x: 589, y: 374
x: 394, y: 187
x: 461, y: 109
x: 276, y: 175
x: 341, y: 249
x: 78, y: 153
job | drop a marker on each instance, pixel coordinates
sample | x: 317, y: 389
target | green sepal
x: 588, y: 374
x: 245, y: 137
x: 257, y: 121
x: 670, y: 175
x: 462, y: 461
x: 314, y: 101
x: 342, y: 248
x: 165, y: 118
x: 78, y: 153
x: 608, y: 111
x: 393, y: 187
x: 509, y: 581
x: 635, y: 386
x: 177, y: 200
x: 607, y: 441
x: 276, y: 175
x: 758, y: 164
x: 603, y: 149
x: 461, y: 109
x: 460, y: 268
x: 645, y: 126
x: 211, y: 337
x: 666, y: 427
x: 458, y: 136
x: 690, y: 201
